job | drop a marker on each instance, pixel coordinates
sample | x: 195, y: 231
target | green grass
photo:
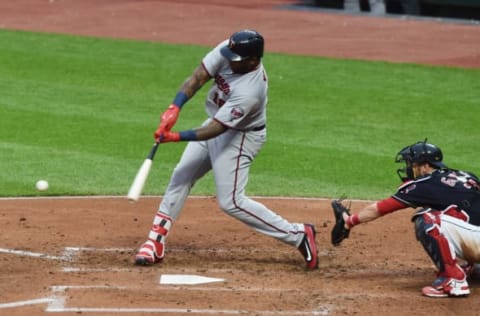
x: 80, y: 112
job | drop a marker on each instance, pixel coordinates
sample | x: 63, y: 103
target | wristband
x: 188, y: 135
x: 180, y: 99
x: 352, y: 220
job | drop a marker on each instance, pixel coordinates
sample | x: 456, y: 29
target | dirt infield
x: 75, y: 256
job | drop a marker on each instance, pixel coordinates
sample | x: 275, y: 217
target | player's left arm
x: 211, y: 130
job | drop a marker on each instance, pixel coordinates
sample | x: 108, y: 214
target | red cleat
x: 308, y: 247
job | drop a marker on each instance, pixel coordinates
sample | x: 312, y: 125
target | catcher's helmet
x: 420, y: 152
x: 243, y: 45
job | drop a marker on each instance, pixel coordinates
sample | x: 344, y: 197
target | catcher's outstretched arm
x: 369, y: 213
x: 344, y: 221
x: 373, y: 211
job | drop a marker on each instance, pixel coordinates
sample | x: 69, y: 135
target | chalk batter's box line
x: 69, y: 253
x: 57, y: 302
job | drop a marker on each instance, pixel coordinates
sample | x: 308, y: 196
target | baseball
x: 41, y: 185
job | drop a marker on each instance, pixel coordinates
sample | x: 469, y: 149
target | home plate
x: 188, y: 279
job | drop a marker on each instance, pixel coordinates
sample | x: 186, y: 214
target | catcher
x: 447, y: 218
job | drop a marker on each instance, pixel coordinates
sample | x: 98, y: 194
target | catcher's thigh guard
x: 427, y: 231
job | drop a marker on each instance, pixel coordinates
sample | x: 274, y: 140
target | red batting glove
x: 170, y: 116
x: 167, y: 137
x: 168, y: 119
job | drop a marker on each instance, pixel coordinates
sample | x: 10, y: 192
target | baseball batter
x: 447, y: 219
x: 227, y: 143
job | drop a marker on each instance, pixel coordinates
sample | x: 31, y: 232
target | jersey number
x: 459, y: 177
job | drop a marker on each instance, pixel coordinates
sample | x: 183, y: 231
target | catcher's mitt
x: 339, y: 232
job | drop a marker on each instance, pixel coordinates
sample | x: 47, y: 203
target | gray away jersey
x: 236, y: 100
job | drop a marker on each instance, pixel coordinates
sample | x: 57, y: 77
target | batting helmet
x: 243, y: 45
x: 420, y: 152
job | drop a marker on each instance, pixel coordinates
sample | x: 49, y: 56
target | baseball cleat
x: 447, y: 287
x: 308, y: 247
x: 147, y: 254
x: 143, y: 260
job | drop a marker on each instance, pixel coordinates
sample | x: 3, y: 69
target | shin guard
x: 153, y: 250
x: 161, y: 226
x: 427, y: 230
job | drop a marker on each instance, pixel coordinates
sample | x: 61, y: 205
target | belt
x: 259, y: 128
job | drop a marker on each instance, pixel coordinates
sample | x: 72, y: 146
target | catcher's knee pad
x: 423, y: 223
x: 427, y: 231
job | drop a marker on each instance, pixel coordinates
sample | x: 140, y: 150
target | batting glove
x: 168, y: 119
x: 167, y: 137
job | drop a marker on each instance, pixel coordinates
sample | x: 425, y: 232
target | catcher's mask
x: 420, y: 152
x: 243, y: 45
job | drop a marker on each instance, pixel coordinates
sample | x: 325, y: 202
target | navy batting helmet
x: 243, y: 45
x: 420, y: 152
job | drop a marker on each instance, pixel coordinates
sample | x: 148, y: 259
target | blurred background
x: 456, y: 9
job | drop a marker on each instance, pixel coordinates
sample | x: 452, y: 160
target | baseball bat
x: 142, y: 175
